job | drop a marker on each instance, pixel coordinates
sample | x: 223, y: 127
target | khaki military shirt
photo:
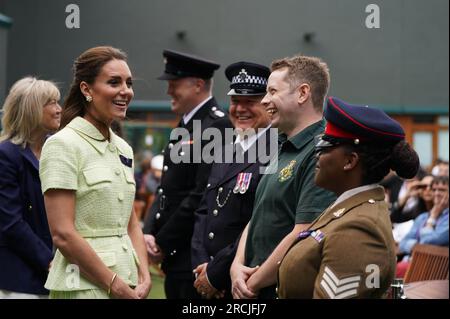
x: 349, y: 252
x: 101, y: 173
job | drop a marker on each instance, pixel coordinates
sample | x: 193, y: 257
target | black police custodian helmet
x: 247, y: 78
x: 182, y: 65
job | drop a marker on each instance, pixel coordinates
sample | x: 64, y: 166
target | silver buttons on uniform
x: 214, y: 108
x: 160, y: 191
x: 158, y: 216
x: 165, y: 168
x: 215, y: 212
x: 208, y: 186
x: 170, y: 146
x: 211, y: 258
x: 211, y: 235
x: 221, y: 189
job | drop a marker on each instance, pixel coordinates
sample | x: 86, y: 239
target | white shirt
x: 246, y: 143
x: 352, y: 192
x: 187, y: 117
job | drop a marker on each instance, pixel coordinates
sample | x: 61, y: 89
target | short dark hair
x: 440, y: 180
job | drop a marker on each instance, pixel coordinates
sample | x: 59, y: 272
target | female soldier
x: 88, y: 185
x: 349, y: 251
x: 31, y: 112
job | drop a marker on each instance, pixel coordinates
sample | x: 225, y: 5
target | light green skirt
x: 79, y: 294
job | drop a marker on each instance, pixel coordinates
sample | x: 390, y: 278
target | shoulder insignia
x: 219, y: 113
x: 339, y: 212
x: 215, y: 112
x: 337, y: 288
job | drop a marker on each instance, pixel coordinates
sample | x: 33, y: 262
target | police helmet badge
x: 243, y: 75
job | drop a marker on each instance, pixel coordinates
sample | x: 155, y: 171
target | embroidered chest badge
x: 126, y: 161
x: 286, y: 172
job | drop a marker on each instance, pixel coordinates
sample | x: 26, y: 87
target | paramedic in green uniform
x: 287, y: 200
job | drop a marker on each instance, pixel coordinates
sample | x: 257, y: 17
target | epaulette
x: 216, y: 113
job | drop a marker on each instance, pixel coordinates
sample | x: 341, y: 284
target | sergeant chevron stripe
x: 339, y: 288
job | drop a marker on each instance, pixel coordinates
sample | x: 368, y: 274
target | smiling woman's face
x: 111, y: 92
x: 51, y: 116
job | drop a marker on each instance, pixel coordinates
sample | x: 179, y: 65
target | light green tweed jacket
x: 79, y: 158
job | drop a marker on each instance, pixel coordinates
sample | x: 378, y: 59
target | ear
x: 304, y: 91
x: 351, y: 161
x: 199, y: 85
x: 84, y: 87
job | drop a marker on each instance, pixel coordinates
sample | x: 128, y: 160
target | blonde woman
x: 31, y: 112
x: 88, y: 185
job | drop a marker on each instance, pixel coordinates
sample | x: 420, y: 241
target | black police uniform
x: 226, y: 209
x: 171, y: 217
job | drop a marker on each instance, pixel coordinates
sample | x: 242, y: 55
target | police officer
x: 228, y: 201
x: 349, y: 251
x: 170, y: 221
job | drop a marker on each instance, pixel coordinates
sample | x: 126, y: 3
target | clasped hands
x: 243, y: 283
x: 203, y: 286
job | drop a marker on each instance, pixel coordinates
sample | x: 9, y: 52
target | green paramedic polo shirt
x: 286, y: 197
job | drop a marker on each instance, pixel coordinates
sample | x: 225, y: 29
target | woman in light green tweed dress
x: 88, y: 183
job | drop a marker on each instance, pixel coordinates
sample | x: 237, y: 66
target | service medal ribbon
x: 246, y: 182
x: 318, y: 235
x: 238, y: 183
